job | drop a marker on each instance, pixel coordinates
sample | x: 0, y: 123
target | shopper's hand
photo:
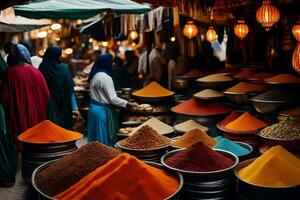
x: 132, y: 105
x: 76, y: 114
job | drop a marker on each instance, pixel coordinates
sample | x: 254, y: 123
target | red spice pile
x: 244, y: 74
x: 198, y: 108
x: 199, y: 158
x: 261, y: 76
x: 194, y: 73
x: 145, y: 138
x: 67, y: 171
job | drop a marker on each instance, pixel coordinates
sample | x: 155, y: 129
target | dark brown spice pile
x: 70, y: 169
x: 145, y: 138
x: 199, y: 158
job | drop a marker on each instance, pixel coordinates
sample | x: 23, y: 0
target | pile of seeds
x: 145, y: 138
x: 67, y: 171
x: 286, y: 130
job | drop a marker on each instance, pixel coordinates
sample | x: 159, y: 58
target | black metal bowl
x: 293, y: 145
x: 258, y: 192
x: 200, y: 174
x: 215, y: 185
x: 154, y: 99
x: 215, y: 84
x: 145, y: 154
x: 269, y: 107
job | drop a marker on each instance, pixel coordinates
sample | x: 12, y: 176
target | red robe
x: 25, y: 96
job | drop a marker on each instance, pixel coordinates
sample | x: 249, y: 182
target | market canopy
x: 10, y: 23
x: 77, y: 9
x: 7, y: 3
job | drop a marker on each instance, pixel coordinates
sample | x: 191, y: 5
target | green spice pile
x: 286, y: 130
x: 145, y: 138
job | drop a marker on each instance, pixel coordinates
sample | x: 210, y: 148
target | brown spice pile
x: 199, y: 158
x: 68, y: 170
x: 145, y: 138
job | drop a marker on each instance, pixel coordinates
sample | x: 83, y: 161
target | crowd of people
x: 31, y: 94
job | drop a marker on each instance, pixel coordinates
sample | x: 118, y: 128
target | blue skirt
x: 102, y: 123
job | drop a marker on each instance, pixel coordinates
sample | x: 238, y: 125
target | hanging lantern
x: 267, y: 15
x: 296, y: 31
x: 296, y: 58
x: 190, y: 30
x: 133, y: 35
x: 211, y: 34
x: 241, y: 29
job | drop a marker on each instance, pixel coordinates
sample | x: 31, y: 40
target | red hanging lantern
x: 267, y: 15
x: 296, y: 58
x: 241, y: 29
x: 211, y: 34
x: 190, y: 30
x: 296, y: 30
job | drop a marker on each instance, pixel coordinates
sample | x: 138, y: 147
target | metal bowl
x: 43, y: 196
x: 180, y: 83
x: 131, y: 123
x: 35, y: 154
x: 269, y: 107
x: 179, y: 98
x: 199, y: 174
x: 293, y: 116
x: 126, y: 91
x: 201, y: 117
x: 241, y: 99
x: 241, y: 133
x: 218, y: 184
x: 144, y: 154
x: 283, y: 118
x: 119, y: 93
x: 209, y: 98
x: 154, y: 99
x: 292, y: 145
x: 258, y: 192
x: 215, y: 84
x: 125, y: 96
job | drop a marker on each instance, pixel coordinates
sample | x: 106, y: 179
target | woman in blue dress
x: 102, y: 118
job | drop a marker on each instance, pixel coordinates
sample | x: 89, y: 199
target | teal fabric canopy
x: 77, y: 9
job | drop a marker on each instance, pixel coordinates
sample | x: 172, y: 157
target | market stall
x: 206, y: 107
